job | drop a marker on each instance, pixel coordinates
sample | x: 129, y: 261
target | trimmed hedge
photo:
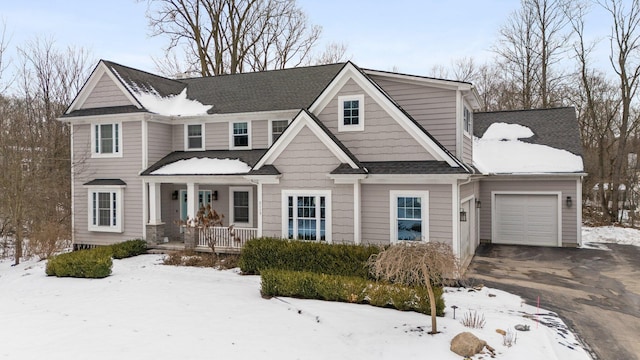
x: 128, y: 249
x: 335, y: 259
x: 94, y: 263
x: 309, y: 285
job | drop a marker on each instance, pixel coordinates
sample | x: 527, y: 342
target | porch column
x: 259, y: 186
x: 192, y: 200
x: 155, y: 202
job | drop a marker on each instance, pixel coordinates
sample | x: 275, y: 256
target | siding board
x: 105, y: 94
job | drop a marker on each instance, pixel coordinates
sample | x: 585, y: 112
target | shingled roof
x: 250, y: 157
x: 294, y: 88
x: 557, y: 127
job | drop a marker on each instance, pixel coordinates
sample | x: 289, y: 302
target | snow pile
x: 204, y: 166
x: 500, y: 151
x: 145, y: 310
x: 174, y: 105
x: 610, y: 234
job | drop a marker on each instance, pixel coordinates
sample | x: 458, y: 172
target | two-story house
x: 330, y: 153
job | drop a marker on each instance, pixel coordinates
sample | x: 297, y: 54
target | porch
x: 228, y: 240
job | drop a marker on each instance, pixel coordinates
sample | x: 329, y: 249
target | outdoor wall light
x: 174, y: 195
x: 215, y: 195
x: 569, y: 201
x: 478, y: 204
x: 463, y: 215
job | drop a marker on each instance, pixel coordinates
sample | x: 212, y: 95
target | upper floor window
x: 351, y: 113
x: 467, y: 120
x: 107, y: 140
x: 277, y: 128
x: 240, y: 135
x: 194, y: 137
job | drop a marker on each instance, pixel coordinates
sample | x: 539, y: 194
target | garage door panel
x: 526, y: 219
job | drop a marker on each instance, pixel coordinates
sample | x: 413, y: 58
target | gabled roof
x: 250, y: 157
x: 138, y: 79
x: 557, y: 127
x: 305, y: 118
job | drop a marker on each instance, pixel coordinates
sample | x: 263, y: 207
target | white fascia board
x: 414, y: 178
x: 95, y: 77
x: 350, y: 72
x: 299, y: 122
x: 238, y: 117
x: 346, y: 178
x: 199, y: 179
x: 439, y: 83
x: 537, y: 176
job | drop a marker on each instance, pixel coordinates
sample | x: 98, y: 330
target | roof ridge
x: 270, y: 71
x: 109, y: 62
x: 525, y: 110
x: 417, y: 76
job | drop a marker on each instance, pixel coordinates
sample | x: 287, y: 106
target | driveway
x: 596, y: 292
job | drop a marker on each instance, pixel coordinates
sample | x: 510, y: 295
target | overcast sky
x: 409, y: 35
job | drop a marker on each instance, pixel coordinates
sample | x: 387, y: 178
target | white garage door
x: 526, y: 219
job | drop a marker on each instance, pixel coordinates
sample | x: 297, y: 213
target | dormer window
x: 467, y: 120
x: 240, y: 135
x: 194, y: 137
x: 351, y: 113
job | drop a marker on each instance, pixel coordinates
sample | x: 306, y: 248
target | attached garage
x: 527, y: 219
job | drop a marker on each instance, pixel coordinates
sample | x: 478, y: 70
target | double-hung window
x: 105, y: 209
x: 107, y: 140
x: 409, y: 216
x: 351, y: 113
x: 240, y: 135
x: 277, y: 128
x: 194, y: 136
x: 241, y: 205
x: 307, y: 215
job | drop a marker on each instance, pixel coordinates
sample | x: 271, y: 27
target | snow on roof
x: 500, y: 152
x: 204, y: 166
x: 172, y: 105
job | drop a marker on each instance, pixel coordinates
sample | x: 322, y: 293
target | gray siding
x: 305, y: 164
x: 177, y: 138
x: 383, y: 139
x: 376, y: 218
x: 260, y: 134
x: 105, y: 94
x: 433, y: 108
x: 158, y: 141
x: 126, y: 168
x: 217, y: 136
x: 567, y: 187
x: 467, y: 149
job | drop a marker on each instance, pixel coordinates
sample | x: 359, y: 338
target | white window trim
x: 248, y: 189
x: 341, y: 125
x: 114, y: 154
x: 270, y: 140
x: 231, y: 146
x: 464, y: 130
x: 327, y: 207
x: 118, y: 190
x: 393, y: 213
x: 186, y: 137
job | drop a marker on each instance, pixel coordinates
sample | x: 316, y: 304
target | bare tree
x: 35, y: 148
x: 334, y: 52
x: 421, y: 264
x: 625, y: 61
x: 233, y: 36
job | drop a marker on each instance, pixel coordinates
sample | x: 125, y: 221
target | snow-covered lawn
x: 146, y: 310
x: 609, y: 234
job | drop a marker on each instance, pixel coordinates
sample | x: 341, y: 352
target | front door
x: 204, y: 199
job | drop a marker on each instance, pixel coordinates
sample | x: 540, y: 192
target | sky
x: 410, y: 36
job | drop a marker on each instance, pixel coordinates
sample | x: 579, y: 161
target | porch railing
x: 225, y: 237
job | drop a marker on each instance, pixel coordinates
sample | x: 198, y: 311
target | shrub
x: 472, y: 319
x: 95, y: 263
x: 200, y: 259
x: 335, y: 259
x: 353, y: 289
x: 128, y: 249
